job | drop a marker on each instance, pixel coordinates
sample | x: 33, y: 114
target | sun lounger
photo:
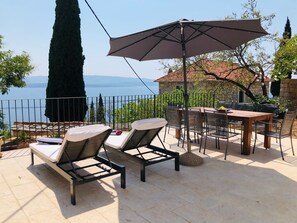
x: 136, y: 145
x: 68, y: 158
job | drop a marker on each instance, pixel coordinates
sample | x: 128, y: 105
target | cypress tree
x: 92, y: 112
x: 288, y: 31
x: 287, y: 34
x: 100, y: 110
x: 66, y: 66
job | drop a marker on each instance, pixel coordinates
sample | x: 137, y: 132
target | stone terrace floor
x: 255, y: 188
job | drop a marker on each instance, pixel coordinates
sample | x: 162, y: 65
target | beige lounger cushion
x: 46, y: 150
x: 150, y: 123
x: 119, y: 141
x: 54, y: 152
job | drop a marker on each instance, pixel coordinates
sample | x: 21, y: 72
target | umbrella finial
x: 183, y: 20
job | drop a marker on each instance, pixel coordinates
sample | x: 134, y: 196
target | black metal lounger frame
x: 143, y: 138
x: 66, y: 166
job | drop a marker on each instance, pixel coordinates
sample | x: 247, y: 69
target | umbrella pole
x: 188, y: 158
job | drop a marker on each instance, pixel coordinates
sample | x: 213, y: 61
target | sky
x: 26, y: 25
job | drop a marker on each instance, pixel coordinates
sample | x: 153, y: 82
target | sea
x: 94, y: 85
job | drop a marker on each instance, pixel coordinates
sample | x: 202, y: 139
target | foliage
x: 92, y: 112
x: 280, y: 102
x: 251, y: 57
x: 6, y: 134
x: 13, y: 69
x: 288, y: 31
x: 2, y: 125
x: 4, y: 130
x: 100, y: 111
x: 154, y: 107
x: 278, y: 73
x: 286, y: 59
x: 66, y: 65
x: 23, y: 136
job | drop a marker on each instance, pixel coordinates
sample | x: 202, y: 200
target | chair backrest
x: 172, y: 116
x: 287, y: 124
x: 82, y: 143
x: 196, y: 120
x: 216, y: 121
x: 143, y: 132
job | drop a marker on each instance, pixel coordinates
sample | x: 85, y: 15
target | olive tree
x: 251, y: 62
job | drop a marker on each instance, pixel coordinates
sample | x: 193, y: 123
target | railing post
x: 155, y: 106
x: 113, y: 112
x: 58, y: 106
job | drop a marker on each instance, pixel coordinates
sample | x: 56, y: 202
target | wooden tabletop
x: 237, y: 113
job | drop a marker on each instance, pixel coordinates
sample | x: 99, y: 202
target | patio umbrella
x: 183, y: 39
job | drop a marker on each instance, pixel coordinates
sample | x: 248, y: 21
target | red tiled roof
x: 221, y: 68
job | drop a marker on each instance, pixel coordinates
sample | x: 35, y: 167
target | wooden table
x: 248, y: 118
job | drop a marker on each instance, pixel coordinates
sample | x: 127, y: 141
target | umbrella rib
x: 217, y: 40
x: 236, y: 29
x: 192, y: 36
x: 169, y: 34
x: 146, y: 37
x: 161, y: 39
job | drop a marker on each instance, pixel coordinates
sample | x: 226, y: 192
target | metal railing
x: 24, y: 119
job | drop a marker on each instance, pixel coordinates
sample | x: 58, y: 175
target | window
x: 240, y: 96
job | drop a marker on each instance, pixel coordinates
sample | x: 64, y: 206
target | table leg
x: 268, y: 127
x: 177, y: 133
x: 247, y: 136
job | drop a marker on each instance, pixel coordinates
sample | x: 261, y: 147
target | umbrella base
x: 190, y: 159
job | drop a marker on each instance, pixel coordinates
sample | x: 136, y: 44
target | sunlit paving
x: 148, y: 112
x: 259, y: 187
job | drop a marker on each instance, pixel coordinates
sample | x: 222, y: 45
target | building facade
x: 224, y: 90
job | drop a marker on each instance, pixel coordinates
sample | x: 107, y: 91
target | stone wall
x: 288, y: 91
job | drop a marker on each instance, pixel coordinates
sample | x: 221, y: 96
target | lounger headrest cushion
x: 150, y: 123
x: 84, y: 132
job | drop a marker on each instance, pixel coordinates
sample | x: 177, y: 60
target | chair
x: 196, y: 125
x: 284, y: 131
x: 237, y: 124
x: 137, y: 144
x: 79, y: 144
x: 276, y: 122
x: 174, y: 120
x: 218, y: 127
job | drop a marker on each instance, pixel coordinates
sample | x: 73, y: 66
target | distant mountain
x: 94, y: 85
x: 92, y: 81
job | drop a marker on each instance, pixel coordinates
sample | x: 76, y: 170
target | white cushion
x: 49, y: 140
x: 48, y: 151
x: 76, y: 134
x: 150, y: 123
x: 119, y: 142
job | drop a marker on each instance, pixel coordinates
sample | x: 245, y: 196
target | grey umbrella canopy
x: 183, y: 39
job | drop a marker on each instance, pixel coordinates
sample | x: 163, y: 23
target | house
x: 224, y: 90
